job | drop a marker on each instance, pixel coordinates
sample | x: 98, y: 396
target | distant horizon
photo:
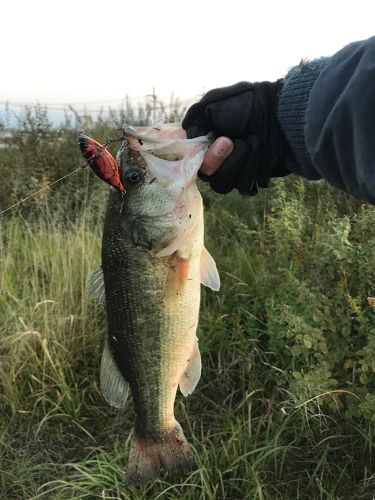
x: 10, y: 110
x: 58, y: 54
x: 107, y: 99
x: 104, y: 52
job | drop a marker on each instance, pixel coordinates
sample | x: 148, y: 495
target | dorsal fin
x: 114, y: 387
x: 95, y: 285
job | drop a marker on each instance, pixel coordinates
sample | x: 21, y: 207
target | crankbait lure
x: 101, y: 161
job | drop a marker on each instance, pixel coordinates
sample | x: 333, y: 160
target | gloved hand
x: 246, y: 113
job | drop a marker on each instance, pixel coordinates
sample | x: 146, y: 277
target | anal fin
x: 114, y: 387
x: 190, y: 378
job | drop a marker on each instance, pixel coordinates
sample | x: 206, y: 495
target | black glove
x: 246, y: 113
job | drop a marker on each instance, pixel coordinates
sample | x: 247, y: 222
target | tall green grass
x: 286, y: 405
x: 285, y: 408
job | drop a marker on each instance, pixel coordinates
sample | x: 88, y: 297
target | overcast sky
x: 82, y: 51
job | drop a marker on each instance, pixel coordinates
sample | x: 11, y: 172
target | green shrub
x: 286, y: 405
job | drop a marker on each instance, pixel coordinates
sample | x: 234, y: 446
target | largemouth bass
x: 153, y: 262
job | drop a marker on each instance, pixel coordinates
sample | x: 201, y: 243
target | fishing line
x: 108, y: 141
x: 43, y: 188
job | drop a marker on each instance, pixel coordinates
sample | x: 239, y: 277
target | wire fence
x: 85, y: 110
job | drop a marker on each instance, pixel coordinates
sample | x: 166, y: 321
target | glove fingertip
x: 193, y: 131
x: 203, y: 177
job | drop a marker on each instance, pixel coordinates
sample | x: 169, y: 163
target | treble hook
x: 109, y: 141
x: 123, y: 193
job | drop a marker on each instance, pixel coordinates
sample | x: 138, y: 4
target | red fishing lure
x: 101, y: 161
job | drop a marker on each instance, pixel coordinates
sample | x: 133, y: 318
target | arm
x: 323, y: 124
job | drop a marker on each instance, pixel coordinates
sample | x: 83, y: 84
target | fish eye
x: 133, y: 177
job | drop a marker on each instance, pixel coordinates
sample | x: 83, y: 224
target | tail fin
x: 148, y: 457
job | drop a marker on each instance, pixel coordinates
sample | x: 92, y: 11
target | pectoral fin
x: 192, y: 374
x: 95, y: 285
x: 115, y: 388
x: 209, y: 273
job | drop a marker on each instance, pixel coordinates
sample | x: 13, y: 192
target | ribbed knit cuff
x: 291, y: 111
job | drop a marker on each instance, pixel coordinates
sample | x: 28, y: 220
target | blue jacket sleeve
x: 326, y: 110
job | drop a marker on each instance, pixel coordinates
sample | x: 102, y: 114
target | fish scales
x: 153, y: 262
x: 142, y: 325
